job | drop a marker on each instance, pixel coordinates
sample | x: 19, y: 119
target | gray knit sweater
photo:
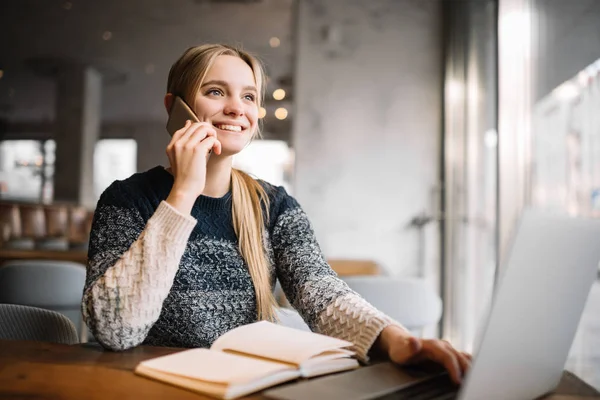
x: 158, y: 277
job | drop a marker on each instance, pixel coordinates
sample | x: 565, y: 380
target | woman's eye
x: 249, y: 97
x: 215, y: 92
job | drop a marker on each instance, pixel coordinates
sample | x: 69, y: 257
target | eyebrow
x: 223, y: 83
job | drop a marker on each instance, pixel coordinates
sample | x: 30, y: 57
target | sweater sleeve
x: 325, y: 302
x: 131, y: 268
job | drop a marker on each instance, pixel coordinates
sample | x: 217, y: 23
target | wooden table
x: 35, y: 370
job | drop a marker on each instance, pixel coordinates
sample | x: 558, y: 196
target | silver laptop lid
x: 536, y: 310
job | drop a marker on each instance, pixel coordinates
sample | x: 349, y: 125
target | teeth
x: 233, y: 128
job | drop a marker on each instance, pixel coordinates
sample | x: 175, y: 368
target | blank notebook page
x: 277, y: 342
x: 214, y: 366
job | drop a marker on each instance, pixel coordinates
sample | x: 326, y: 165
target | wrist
x: 181, y: 200
x: 389, y: 335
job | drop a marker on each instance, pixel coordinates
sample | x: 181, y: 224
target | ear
x: 169, y: 98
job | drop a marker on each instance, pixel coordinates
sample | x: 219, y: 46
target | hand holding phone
x: 188, y: 154
x: 178, y: 115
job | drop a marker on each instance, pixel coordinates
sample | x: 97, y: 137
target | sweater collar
x: 204, y: 203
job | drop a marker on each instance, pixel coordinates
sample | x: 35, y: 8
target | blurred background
x: 412, y: 132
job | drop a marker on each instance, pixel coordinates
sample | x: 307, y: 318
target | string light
x: 281, y: 113
x: 279, y: 94
x: 262, y: 112
x: 274, y: 42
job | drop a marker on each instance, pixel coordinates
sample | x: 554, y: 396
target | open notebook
x: 251, y: 358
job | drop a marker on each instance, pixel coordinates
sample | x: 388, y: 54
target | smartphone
x: 180, y: 112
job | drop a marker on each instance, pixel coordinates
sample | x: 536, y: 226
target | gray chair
x: 19, y: 244
x: 410, y: 301
x: 52, y: 244
x: 289, y: 317
x: 52, y: 285
x: 19, y: 322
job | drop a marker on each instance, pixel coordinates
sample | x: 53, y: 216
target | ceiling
x: 133, y: 43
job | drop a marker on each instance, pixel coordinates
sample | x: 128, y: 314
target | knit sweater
x: 159, y: 277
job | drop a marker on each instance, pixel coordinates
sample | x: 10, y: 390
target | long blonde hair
x: 249, y: 197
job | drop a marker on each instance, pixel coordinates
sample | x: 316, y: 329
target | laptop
x: 524, y: 345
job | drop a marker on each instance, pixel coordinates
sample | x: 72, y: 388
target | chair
x: 79, y: 226
x: 33, y: 221
x: 410, y: 301
x: 52, y: 285
x: 291, y: 318
x: 57, y: 221
x: 19, y: 322
x: 57, y: 227
x: 12, y: 231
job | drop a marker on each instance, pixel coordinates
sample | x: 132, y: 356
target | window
x: 114, y: 159
x: 27, y: 167
x: 269, y: 160
x: 23, y: 172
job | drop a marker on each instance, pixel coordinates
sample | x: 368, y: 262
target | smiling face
x: 228, y: 99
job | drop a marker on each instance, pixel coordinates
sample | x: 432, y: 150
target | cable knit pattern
x: 142, y: 276
x: 158, y: 277
x: 325, y: 302
x: 351, y: 318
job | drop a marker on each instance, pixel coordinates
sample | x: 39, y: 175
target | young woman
x: 179, y: 256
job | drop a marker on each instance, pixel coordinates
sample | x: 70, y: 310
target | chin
x: 232, y: 146
x: 228, y: 152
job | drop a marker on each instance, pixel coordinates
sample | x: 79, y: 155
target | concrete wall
x: 367, y: 126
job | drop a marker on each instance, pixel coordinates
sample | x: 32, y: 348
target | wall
x: 367, y: 126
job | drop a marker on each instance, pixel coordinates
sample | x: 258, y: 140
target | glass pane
x: 269, y: 160
x: 565, y: 147
x: 114, y: 159
x: 21, y: 166
x: 470, y: 160
x: 566, y: 178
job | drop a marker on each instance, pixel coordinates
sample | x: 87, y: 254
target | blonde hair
x: 185, y: 79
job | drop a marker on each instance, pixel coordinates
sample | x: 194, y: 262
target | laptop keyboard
x: 437, y: 388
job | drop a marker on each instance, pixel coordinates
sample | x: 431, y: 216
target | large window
x: 27, y: 167
x: 24, y: 169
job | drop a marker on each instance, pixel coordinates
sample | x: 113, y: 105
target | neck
x: 218, y: 176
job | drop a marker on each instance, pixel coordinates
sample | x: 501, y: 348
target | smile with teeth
x: 232, y: 128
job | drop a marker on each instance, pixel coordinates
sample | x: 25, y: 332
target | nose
x: 234, y: 107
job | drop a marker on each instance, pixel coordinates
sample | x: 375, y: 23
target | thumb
x: 405, y: 350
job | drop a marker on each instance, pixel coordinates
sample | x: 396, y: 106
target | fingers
x: 450, y: 361
x: 446, y: 356
x: 197, y: 134
x: 468, y: 356
x: 463, y: 361
x: 412, y: 349
x: 217, y: 147
x: 190, y: 135
x: 207, y: 144
x: 177, y: 135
